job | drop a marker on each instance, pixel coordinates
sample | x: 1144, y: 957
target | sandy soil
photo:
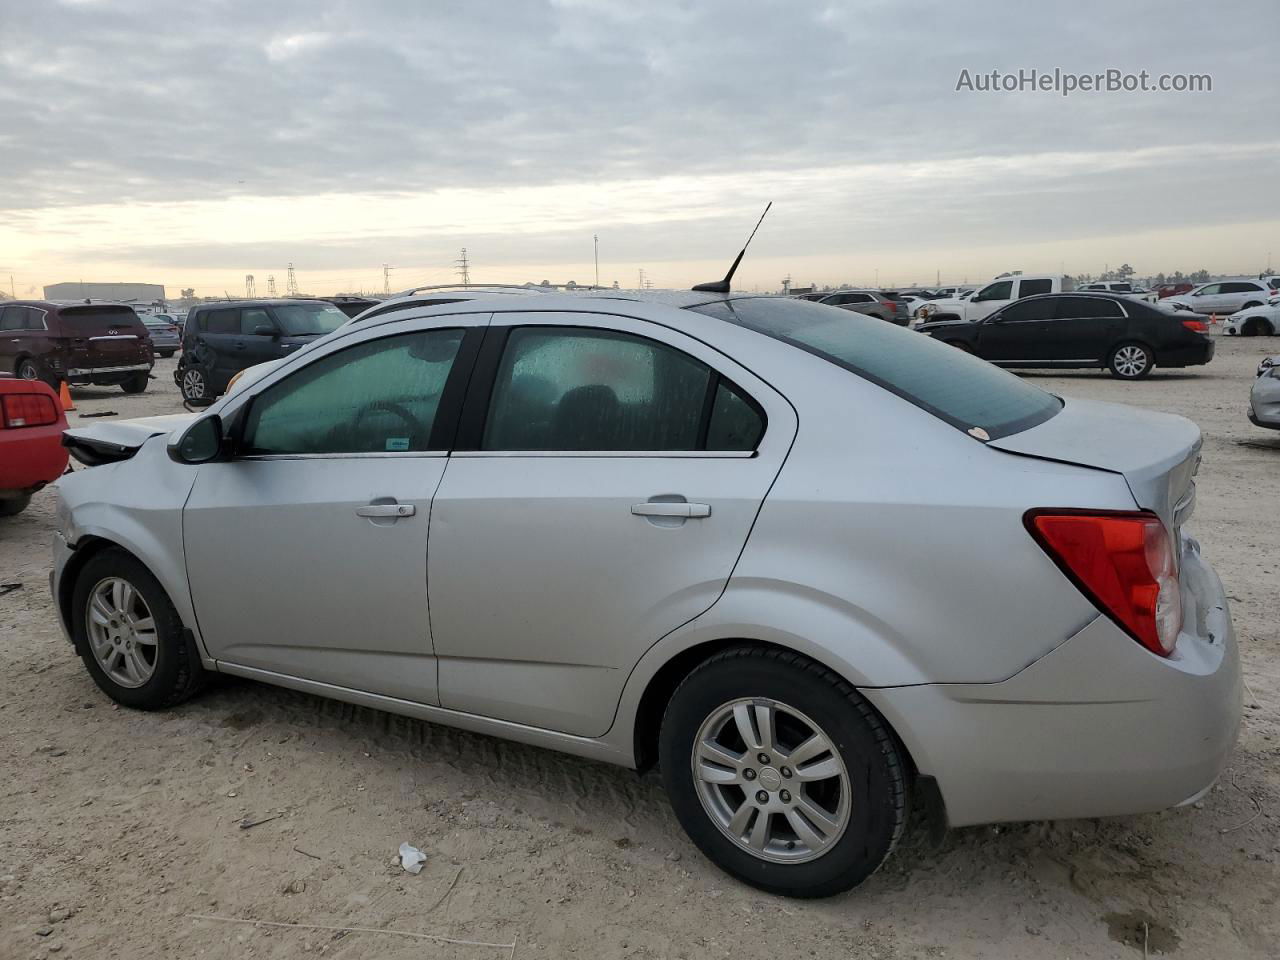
x: 115, y: 826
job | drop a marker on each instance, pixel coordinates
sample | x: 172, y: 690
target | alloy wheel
x: 193, y: 384
x: 28, y: 371
x: 771, y: 780
x: 122, y: 632
x: 1130, y: 361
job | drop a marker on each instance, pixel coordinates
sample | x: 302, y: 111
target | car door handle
x: 386, y: 510
x: 667, y: 509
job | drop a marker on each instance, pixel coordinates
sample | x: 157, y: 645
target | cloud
x: 552, y: 116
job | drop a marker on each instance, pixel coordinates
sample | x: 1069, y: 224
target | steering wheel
x: 397, y: 410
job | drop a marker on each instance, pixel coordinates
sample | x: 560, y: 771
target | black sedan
x: 1129, y: 337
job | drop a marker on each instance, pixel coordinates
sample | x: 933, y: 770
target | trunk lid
x: 99, y: 443
x: 103, y: 335
x: 1157, y: 453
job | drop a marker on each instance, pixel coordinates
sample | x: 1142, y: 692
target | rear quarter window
x: 952, y: 385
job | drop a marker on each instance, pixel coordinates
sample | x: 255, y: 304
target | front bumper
x: 1098, y: 727
x: 1264, y: 403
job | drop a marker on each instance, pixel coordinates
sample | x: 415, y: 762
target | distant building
x: 127, y: 292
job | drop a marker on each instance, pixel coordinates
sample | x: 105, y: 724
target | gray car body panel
x: 890, y: 547
x: 1264, y: 400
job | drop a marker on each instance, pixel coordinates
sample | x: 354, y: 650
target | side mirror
x: 199, y: 443
x: 265, y: 330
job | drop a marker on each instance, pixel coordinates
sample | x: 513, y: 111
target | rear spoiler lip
x: 95, y: 453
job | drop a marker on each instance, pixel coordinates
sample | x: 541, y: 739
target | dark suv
x: 221, y: 339
x: 100, y: 343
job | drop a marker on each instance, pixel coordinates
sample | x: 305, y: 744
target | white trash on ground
x: 411, y: 858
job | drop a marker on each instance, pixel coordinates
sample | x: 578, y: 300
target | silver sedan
x: 1264, y: 398
x: 701, y: 532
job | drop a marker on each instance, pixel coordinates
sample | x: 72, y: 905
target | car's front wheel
x: 1131, y: 361
x: 781, y: 773
x: 130, y: 636
x: 29, y: 369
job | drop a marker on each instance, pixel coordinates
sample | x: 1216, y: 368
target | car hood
x: 1157, y: 453
x: 97, y: 443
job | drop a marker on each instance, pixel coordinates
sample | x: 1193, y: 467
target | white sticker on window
x: 397, y: 443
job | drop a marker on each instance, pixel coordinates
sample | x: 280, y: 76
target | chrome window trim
x: 376, y: 455
x: 616, y: 454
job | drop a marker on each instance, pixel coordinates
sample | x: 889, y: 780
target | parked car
x: 1264, y: 398
x: 1123, y: 287
x: 1128, y: 337
x: 1263, y: 321
x: 31, y: 451
x: 1229, y: 296
x: 100, y: 343
x: 869, y: 302
x: 993, y: 296
x: 352, y: 306
x: 166, y: 336
x: 779, y: 658
x: 1173, y: 289
x: 222, y: 338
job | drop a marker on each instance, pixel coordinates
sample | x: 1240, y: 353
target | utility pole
x: 786, y: 285
x: 464, y: 268
x: 595, y: 239
x: 250, y: 289
x: 386, y: 278
x: 291, y: 283
x: 15, y: 296
x: 271, y: 285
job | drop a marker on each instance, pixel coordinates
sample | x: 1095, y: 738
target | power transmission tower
x: 386, y: 278
x: 595, y: 239
x: 291, y: 283
x: 645, y: 282
x: 271, y: 285
x: 250, y: 288
x: 464, y: 270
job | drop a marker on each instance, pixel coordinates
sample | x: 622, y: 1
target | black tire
x: 12, y: 506
x: 876, y: 809
x: 193, y: 383
x: 136, y: 383
x: 177, y: 673
x: 1257, y: 327
x: 166, y: 354
x: 1122, y: 365
x: 30, y: 369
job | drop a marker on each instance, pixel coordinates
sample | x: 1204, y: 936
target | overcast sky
x: 191, y: 143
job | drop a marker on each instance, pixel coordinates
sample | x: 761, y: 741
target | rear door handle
x: 664, y: 509
x: 394, y: 510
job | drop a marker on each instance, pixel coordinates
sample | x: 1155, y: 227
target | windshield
x: 952, y: 385
x: 302, y: 319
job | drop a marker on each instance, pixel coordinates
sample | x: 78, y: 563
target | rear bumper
x: 30, y: 458
x: 1191, y: 355
x: 1098, y: 727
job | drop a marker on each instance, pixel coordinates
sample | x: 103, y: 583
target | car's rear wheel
x: 29, y: 369
x: 130, y: 636
x: 166, y: 354
x: 1257, y: 327
x: 1131, y: 361
x: 194, y: 384
x: 136, y: 383
x: 12, y: 506
x: 781, y: 773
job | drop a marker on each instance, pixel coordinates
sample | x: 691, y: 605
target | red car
x: 1173, y: 289
x: 31, y: 451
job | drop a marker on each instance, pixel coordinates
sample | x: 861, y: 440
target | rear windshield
x: 952, y: 385
x: 299, y: 319
x: 94, y: 319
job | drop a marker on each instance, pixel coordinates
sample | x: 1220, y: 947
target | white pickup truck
x: 996, y: 294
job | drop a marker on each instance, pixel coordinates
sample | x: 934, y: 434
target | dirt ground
x: 116, y: 826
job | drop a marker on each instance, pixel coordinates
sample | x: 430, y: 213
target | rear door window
x: 954, y: 386
x: 1029, y: 288
x: 1088, y: 307
x: 226, y: 320
x: 1026, y: 310
x: 995, y: 291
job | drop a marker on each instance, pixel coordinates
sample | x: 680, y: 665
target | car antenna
x: 722, y: 286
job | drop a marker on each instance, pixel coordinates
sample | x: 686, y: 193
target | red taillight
x: 1124, y: 563
x: 892, y: 305
x: 1198, y: 326
x: 28, y: 410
